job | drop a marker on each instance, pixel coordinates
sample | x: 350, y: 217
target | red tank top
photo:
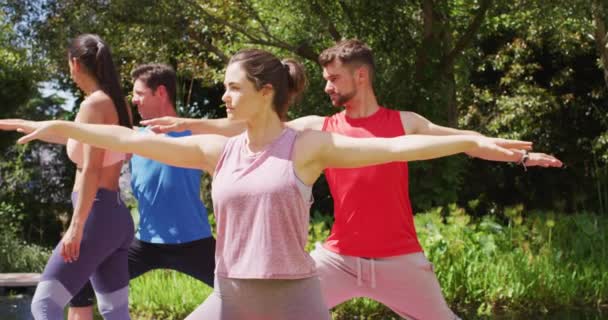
x: 373, y: 214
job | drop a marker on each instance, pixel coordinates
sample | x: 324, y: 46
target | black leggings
x: 195, y: 258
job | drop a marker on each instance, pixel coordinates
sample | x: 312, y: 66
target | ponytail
x: 96, y: 58
x: 296, y: 81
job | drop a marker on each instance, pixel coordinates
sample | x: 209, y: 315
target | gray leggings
x: 267, y: 299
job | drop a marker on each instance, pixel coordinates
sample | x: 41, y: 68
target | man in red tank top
x: 373, y: 250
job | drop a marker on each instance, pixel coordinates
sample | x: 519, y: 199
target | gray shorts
x: 268, y: 299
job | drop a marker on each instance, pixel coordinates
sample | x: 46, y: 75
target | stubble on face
x: 342, y: 98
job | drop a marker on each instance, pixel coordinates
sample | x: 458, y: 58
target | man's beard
x: 344, y: 98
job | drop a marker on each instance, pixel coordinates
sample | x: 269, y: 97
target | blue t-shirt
x: 170, y: 208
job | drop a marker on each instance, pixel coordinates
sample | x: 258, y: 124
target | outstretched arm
x: 26, y: 127
x: 414, y: 123
x: 316, y: 151
x: 224, y: 126
x: 341, y: 151
x: 199, y: 152
x: 306, y: 123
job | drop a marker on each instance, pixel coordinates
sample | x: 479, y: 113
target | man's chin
x: 336, y: 103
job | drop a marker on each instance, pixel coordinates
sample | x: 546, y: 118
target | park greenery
x: 501, y: 236
x: 534, y: 264
x: 531, y: 265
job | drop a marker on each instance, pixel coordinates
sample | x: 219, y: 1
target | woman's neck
x: 88, y: 85
x: 263, y: 130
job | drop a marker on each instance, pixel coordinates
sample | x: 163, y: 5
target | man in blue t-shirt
x: 173, y: 231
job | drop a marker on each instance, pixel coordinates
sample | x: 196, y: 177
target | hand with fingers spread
x: 165, y: 124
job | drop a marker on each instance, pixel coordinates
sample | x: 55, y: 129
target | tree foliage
x: 522, y: 69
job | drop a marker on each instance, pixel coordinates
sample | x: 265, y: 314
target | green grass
x: 164, y: 294
x: 531, y: 264
x: 524, y: 263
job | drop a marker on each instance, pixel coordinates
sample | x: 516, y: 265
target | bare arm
x: 56, y: 140
x: 307, y: 123
x: 414, y: 123
x: 92, y: 165
x: 339, y: 151
x: 26, y: 127
x: 200, y: 152
x: 224, y: 126
x: 316, y: 151
x: 86, y: 185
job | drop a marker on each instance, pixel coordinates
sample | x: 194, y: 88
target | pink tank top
x: 262, y: 212
x: 74, y: 150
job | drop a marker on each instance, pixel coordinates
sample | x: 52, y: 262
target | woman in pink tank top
x: 261, y: 184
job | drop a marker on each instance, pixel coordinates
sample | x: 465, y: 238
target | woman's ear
x: 267, y: 90
x: 75, y: 64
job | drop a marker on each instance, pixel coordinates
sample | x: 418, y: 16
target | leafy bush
x: 18, y: 256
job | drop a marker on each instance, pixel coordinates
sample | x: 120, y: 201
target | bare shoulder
x: 307, y: 154
x: 309, y: 137
x: 411, y: 121
x: 409, y: 116
x: 310, y: 142
x: 212, y: 146
x: 97, y: 103
x: 93, y: 110
x: 99, y: 98
x: 307, y: 123
x: 100, y: 104
x: 213, y: 143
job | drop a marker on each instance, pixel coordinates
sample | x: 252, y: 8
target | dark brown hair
x: 156, y: 74
x: 351, y: 52
x: 95, y: 56
x: 287, y: 77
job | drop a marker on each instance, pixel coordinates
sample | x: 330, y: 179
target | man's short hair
x: 156, y: 74
x: 350, y: 52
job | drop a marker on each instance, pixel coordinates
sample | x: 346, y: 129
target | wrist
x: 524, y: 159
x: 77, y: 224
x: 184, y: 124
x: 55, y: 127
x: 477, y: 142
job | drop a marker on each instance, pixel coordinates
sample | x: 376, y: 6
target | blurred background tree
x: 521, y: 69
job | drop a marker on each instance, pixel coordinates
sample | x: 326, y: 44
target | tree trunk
x: 457, y: 48
x: 601, y: 37
x: 447, y: 75
x: 449, y: 82
x: 427, y: 40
